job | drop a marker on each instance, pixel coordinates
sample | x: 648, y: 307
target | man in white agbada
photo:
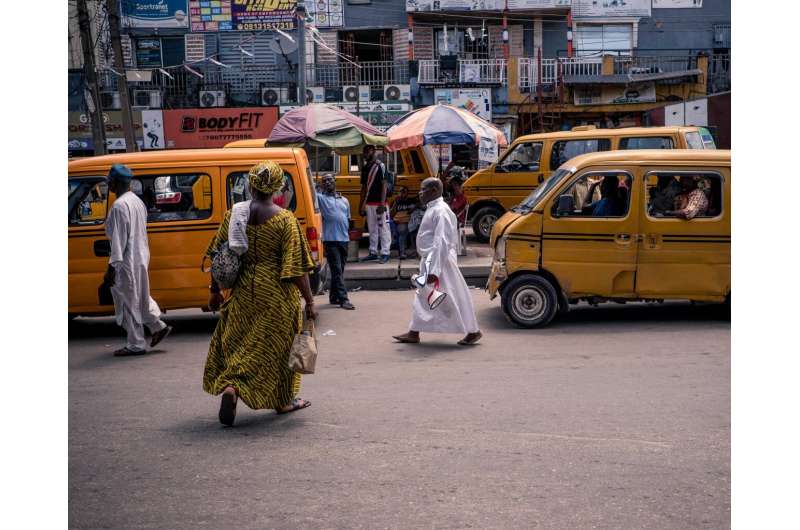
x: 437, y: 245
x: 126, y: 228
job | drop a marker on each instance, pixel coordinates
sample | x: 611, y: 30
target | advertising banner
x: 476, y: 100
x: 201, y: 128
x: 616, y: 95
x: 155, y: 13
x: 677, y: 4
x: 611, y: 8
x: 243, y: 15
x: 483, y: 5
x: 153, y: 129
x: 80, y: 130
x: 326, y: 13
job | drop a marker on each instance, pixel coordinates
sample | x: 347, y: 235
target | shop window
x: 646, y: 142
x: 594, y: 39
x: 88, y: 199
x: 601, y: 195
x: 173, y: 50
x: 176, y: 197
x: 522, y: 157
x: 239, y: 190
x: 670, y: 192
x: 563, y: 150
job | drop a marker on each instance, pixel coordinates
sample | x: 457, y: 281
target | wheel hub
x: 529, y: 303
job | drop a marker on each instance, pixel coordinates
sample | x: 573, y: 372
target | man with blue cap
x: 126, y: 228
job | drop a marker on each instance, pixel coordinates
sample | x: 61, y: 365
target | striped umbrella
x: 442, y: 124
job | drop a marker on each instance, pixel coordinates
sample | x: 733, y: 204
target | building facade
x: 526, y: 65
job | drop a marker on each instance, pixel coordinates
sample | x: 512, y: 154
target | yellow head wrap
x: 266, y: 177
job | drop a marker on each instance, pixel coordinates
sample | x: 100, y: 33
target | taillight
x: 313, y: 241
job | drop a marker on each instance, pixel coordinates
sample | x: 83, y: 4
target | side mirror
x: 565, y: 205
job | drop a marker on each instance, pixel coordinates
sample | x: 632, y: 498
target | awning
x: 624, y: 79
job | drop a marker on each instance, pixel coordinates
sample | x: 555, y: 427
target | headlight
x: 500, y: 249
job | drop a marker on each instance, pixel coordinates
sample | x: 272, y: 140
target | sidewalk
x: 395, y: 274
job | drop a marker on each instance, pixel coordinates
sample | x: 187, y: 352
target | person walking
x: 437, y: 245
x: 335, y: 211
x: 127, y: 273
x: 248, y: 357
x: 372, y: 204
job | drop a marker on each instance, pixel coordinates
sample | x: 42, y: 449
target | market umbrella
x: 325, y: 126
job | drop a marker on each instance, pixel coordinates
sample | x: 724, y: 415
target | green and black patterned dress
x: 257, y: 324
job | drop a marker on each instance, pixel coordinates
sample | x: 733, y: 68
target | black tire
x: 483, y: 221
x: 529, y: 301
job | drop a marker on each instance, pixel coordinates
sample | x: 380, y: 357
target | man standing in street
x: 335, y: 211
x: 373, y: 204
x: 437, y: 245
x: 126, y: 228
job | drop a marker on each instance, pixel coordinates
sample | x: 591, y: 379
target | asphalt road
x: 614, y: 417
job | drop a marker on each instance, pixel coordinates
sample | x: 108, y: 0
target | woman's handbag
x: 225, y: 265
x: 303, y: 355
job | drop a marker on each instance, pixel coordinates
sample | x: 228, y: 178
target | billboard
x: 153, y: 130
x: 155, y: 13
x: 200, y: 128
x: 483, y: 5
x: 476, y: 100
x: 242, y: 15
x: 616, y: 95
x: 611, y: 8
x: 79, y: 130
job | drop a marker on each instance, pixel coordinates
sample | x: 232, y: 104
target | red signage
x: 200, y: 128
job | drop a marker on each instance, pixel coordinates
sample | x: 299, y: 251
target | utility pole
x: 122, y: 81
x: 301, y: 52
x: 92, y: 94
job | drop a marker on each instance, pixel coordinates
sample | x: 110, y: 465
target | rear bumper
x: 497, y: 276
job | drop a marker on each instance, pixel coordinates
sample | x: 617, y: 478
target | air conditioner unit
x: 315, y: 94
x: 147, y: 98
x: 396, y: 92
x: 334, y: 95
x: 212, y: 98
x: 351, y: 94
x: 110, y: 100
x: 271, y: 96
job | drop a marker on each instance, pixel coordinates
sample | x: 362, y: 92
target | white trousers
x: 378, y: 226
x: 136, y: 340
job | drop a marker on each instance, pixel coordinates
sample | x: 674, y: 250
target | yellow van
x: 562, y: 245
x: 532, y: 158
x: 187, y: 193
x: 411, y: 167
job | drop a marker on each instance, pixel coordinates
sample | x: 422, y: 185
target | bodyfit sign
x: 199, y: 128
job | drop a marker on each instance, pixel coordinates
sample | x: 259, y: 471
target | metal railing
x: 722, y: 35
x: 371, y: 73
x: 719, y: 73
x: 589, y: 66
x: 654, y: 64
x: 469, y: 71
x: 528, y: 73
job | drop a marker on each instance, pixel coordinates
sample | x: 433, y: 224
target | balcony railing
x: 722, y: 35
x: 528, y: 72
x: 372, y: 73
x: 588, y: 66
x: 660, y: 64
x: 467, y: 71
x: 719, y: 73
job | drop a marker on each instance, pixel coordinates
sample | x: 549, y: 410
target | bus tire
x: 483, y: 221
x: 529, y: 301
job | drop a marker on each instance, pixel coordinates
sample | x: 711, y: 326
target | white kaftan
x: 437, y: 245
x: 126, y: 228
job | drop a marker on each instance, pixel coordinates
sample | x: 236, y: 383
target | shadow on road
x: 98, y: 327
x: 248, y: 422
x: 614, y: 318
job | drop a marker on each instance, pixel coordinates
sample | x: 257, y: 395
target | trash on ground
x: 355, y: 289
x: 329, y: 333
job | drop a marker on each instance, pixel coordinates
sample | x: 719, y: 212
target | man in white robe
x: 437, y: 245
x: 126, y: 228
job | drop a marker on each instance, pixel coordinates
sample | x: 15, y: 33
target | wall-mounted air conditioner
x: 150, y: 99
x: 351, y: 94
x: 397, y: 92
x: 110, y: 100
x: 315, y: 94
x: 212, y: 98
x: 273, y: 96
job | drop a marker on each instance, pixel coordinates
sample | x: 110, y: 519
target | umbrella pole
x: 316, y: 159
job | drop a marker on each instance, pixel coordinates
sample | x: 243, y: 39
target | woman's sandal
x: 227, y: 407
x: 296, y: 404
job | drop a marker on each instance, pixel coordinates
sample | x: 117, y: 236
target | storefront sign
x: 616, y: 95
x: 155, y: 13
x: 677, y: 4
x: 611, y: 8
x: 80, y: 130
x: 199, y: 128
x: 153, y: 129
x: 476, y: 100
x: 148, y: 53
x: 243, y: 15
x: 487, y: 150
x: 483, y: 5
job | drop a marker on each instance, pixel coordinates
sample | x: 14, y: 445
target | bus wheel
x: 529, y: 301
x: 483, y: 221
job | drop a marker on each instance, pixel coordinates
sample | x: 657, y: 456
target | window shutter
x: 400, y: 42
x: 515, y: 41
x: 423, y: 42
x: 325, y: 55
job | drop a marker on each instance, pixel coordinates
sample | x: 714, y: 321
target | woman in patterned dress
x: 249, y: 352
